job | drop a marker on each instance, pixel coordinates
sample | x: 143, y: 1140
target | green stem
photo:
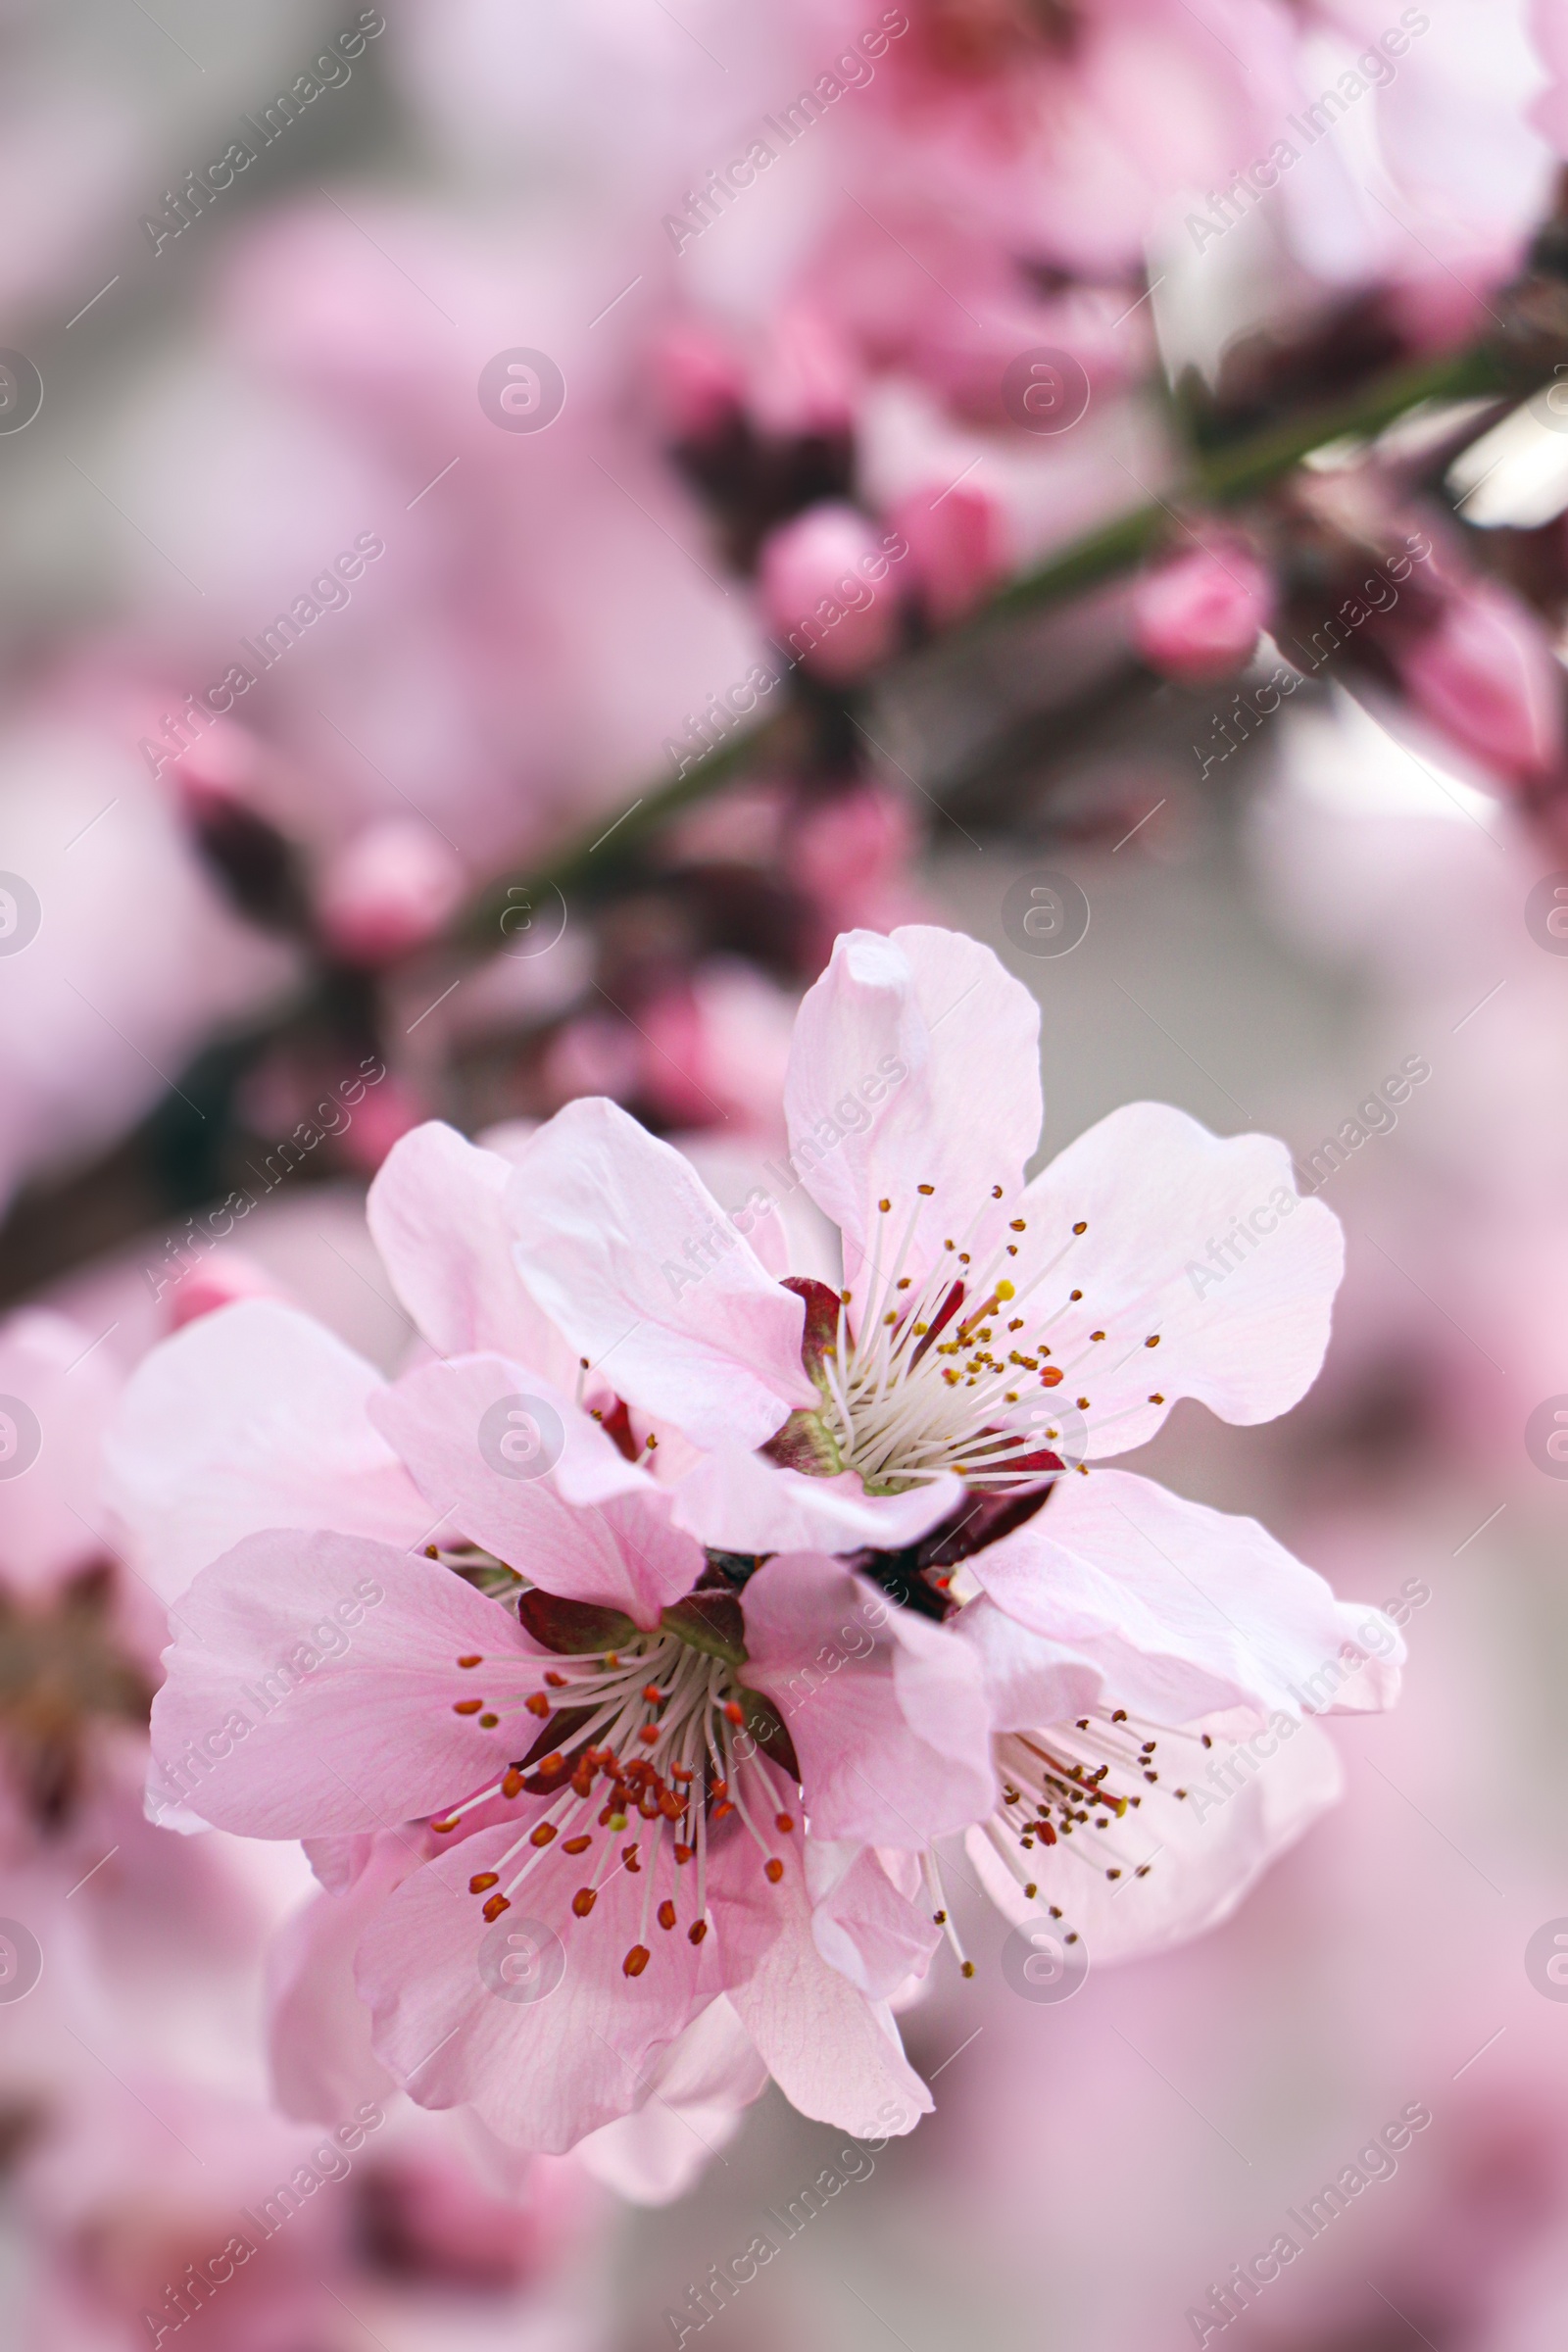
x: 1216, y: 479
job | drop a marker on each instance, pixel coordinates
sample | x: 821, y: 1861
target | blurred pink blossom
x: 1198, y: 617
x: 1487, y: 676
x: 393, y: 886
x: 826, y: 593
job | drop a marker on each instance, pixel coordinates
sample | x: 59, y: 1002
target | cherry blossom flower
x: 1153, y: 1666
x: 700, y: 1759
x: 988, y: 1329
x: 1122, y: 1613
x: 616, y: 1778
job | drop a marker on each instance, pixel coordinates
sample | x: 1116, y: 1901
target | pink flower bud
x: 1487, y: 675
x: 958, y: 539
x: 391, y: 888
x: 826, y: 590
x: 1199, y: 616
x: 221, y: 766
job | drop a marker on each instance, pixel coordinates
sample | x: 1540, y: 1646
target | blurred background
x: 517, y: 527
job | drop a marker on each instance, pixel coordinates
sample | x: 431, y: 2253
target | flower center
x: 646, y: 1748
x: 958, y: 1371
x: 1083, y: 1782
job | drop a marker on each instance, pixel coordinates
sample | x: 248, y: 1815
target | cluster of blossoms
x: 669, y: 1625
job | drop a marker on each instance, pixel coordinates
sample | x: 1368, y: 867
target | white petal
x: 1187, y: 1611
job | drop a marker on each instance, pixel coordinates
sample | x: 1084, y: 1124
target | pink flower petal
x: 311, y: 1685
x: 623, y: 1244
x: 318, y: 2029
x: 862, y: 1924
x: 436, y: 1215
x: 915, y: 1061
x: 835, y: 2055
x: 252, y: 1418
x: 621, y: 1551
x: 886, y: 1711
x: 1027, y: 1677
x: 1240, y: 1323
x: 542, y: 2073
x: 740, y: 1501
x: 698, y: 2090
x: 1185, y: 1611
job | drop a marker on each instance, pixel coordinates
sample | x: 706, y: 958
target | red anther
x: 636, y: 1960
x: 543, y: 1833
x: 551, y: 1763
x: 583, y: 1901
x: 1048, y: 1834
x: 784, y: 1822
x: 557, y: 1682
x: 720, y: 1810
x: 652, y: 1694
x: 575, y: 1845
x: 582, y: 1783
x: 483, y: 1880
x: 537, y: 1703
x: 511, y: 1784
x: 628, y: 1856
x: 683, y: 1853
x: 487, y: 1723
x: 475, y: 1660
x: 447, y: 1822
x: 719, y: 1787
x: 604, y: 1814
x: 670, y: 1805
x: 734, y: 1712
x: 773, y: 1869
x: 1050, y: 1377
x: 697, y: 1931
x: 650, y: 1733
x: 495, y: 1906
x: 681, y: 1773
x: 667, y: 1913
x: 467, y: 1706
